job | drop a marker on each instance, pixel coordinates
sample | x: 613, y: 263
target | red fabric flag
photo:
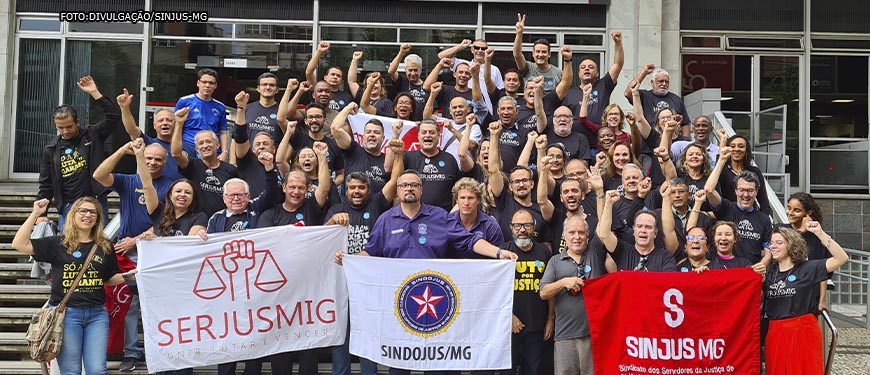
x: 675, y: 323
x: 118, y: 299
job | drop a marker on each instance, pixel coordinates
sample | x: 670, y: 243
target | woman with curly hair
x: 789, y: 303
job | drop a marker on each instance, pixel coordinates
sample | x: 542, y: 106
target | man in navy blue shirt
x: 164, y: 125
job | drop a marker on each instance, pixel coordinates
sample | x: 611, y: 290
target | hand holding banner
x: 225, y: 300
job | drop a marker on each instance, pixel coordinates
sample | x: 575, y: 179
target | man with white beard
x: 533, y: 319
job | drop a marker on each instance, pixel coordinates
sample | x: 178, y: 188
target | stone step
x: 13, y: 295
x: 15, y: 271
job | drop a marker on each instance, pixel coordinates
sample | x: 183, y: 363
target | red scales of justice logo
x: 239, y: 263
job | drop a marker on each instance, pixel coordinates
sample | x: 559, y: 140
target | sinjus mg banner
x: 431, y: 314
x: 689, y: 323
x: 241, y: 295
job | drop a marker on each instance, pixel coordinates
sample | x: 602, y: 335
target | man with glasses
x: 247, y: 146
x: 533, y: 319
x: 206, y: 113
x: 643, y: 254
x: 315, y: 122
x: 658, y: 97
x: 576, y: 143
x: 479, y: 50
x: 241, y: 213
x: 262, y: 116
x: 563, y: 282
x: 753, y: 225
x: 541, y: 67
x: 679, y: 206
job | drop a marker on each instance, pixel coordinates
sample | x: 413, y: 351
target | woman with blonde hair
x: 86, y: 324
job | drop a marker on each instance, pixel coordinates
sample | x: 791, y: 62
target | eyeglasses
x: 521, y: 181
x: 479, y: 48
x: 695, y: 238
x: 208, y: 82
x: 314, y: 117
x: 235, y: 196
x: 526, y: 226
x: 641, y: 265
x: 410, y: 185
x: 86, y: 212
x: 576, y: 175
x: 745, y: 191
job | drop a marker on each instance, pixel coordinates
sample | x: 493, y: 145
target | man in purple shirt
x: 468, y: 195
x: 417, y: 230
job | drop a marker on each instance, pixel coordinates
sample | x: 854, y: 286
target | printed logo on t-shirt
x: 211, y: 184
x: 239, y: 226
x: 746, y: 231
x: 660, y: 106
x: 528, y: 276
x: 72, y: 162
x: 422, y: 228
x: 779, y: 290
x: 509, y: 138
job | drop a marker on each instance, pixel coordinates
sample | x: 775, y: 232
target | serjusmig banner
x: 675, y: 323
x: 241, y: 295
x: 425, y: 314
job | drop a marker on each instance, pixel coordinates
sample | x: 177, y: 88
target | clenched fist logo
x: 240, y: 264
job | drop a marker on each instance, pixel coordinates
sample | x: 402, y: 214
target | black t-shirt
x: 447, y: 94
x: 530, y: 265
x: 719, y: 263
x: 576, y: 144
x: 263, y: 120
x: 507, y: 206
x: 623, y: 217
x: 557, y: 227
x: 526, y: 119
x: 74, y: 171
x: 383, y: 106
x: 728, y: 186
x: 704, y: 221
x: 654, y: 170
x: 789, y: 294
x: 511, y: 143
x: 182, y: 225
x: 65, y: 267
x: 332, y: 198
x: 209, y: 183
x: 420, y: 96
x: 438, y: 174
x: 361, y: 220
x: 693, y: 186
x: 599, y: 100
x: 339, y: 100
x: 252, y: 171
x: 356, y: 159
x: 753, y: 229
x: 613, y: 183
x: 307, y: 214
x: 652, y: 104
x: 333, y: 155
x: 500, y: 93
x: 628, y: 259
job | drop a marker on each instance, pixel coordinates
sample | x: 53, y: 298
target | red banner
x: 675, y: 323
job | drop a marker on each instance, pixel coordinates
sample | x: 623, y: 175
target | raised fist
x: 616, y: 36
x: 181, y: 114
x: 405, y: 48
x: 242, y: 99
x: 357, y: 55
x: 323, y: 47
x: 236, y: 253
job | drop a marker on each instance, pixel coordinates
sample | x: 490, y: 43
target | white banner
x: 425, y: 314
x: 241, y: 295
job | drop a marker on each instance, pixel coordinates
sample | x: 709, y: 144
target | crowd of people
x: 524, y: 162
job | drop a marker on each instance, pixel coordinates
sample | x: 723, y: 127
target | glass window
x: 173, y: 69
x: 114, y: 66
x: 38, y: 25
x: 779, y: 86
x: 730, y: 73
x: 702, y: 42
x: 218, y: 30
x: 38, y: 84
x: 358, y: 34
x: 838, y: 124
x: 292, y: 32
x: 435, y: 36
x: 106, y: 27
x: 584, y: 39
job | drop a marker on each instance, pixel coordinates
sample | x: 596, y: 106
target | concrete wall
x: 848, y: 221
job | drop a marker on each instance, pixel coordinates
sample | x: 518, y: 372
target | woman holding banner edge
x: 789, y: 305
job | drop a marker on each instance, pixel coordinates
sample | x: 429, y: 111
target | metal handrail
x: 832, y: 349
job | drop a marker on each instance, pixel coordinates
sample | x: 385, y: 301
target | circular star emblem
x: 427, y: 303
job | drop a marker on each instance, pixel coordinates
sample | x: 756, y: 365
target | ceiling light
x: 842, y: 100
x: 725, y: 98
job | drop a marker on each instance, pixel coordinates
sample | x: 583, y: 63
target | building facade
x: 791, y: 74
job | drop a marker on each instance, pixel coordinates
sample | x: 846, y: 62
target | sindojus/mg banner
x: 428, y: 314
x: 241, y: 295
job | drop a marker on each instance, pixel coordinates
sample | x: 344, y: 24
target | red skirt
x: 794, y: 347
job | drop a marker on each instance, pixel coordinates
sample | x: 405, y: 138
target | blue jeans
x: 61, y: 216
x: 85, y: 339
x: 341, y: 359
